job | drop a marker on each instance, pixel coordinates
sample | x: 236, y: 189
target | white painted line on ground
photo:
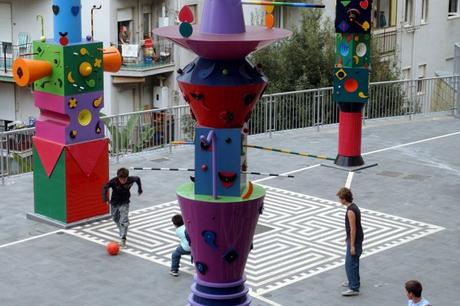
x: 349, y: 179
x: 367, y: 153
x: 263, y: 179
x: 327, y: 254
x: 411, y: 143
x: 287, y: 173
x: 262, y: 298
x: 127, y: 250
x: 27, y: 239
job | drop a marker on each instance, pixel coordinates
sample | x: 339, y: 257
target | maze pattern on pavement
x: 298, y: 236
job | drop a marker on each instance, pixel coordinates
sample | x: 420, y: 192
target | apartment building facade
x: 419, y: 36
x: 145, y: 80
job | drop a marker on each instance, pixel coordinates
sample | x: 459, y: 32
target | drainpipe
x: 457, y: 72
x: 1, y: 159
x: 413, y: 85
x: 4, y: 56
x: 140, y: 22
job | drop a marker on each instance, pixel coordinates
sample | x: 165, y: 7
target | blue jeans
x: 352, y: 266
x: 176, y: 255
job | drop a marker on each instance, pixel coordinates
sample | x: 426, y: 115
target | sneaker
x: 350, y: 292
x: 174, y: 273
x: 345, y: 284
x: 123, y: 243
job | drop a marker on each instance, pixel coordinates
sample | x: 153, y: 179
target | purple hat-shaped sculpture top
x: 222, y: 34
x: 223, y: 17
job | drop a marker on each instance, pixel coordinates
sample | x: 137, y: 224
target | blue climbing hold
x: 201, y: 267
x: 210, y: 238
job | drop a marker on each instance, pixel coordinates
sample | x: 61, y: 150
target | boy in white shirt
x: 414, y: 294
x: 182, y: 249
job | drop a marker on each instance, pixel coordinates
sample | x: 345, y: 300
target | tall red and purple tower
x: 220, y: 208
x: 69, y: 148
x: 351, y: 75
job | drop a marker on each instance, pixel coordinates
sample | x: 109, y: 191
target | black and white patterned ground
x: 298, y: 236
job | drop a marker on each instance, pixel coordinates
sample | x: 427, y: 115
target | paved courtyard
x: 410, y: 218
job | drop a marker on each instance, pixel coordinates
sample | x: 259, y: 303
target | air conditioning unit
x: 160, y: 97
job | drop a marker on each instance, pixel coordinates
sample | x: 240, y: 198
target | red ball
x: 113, y: 248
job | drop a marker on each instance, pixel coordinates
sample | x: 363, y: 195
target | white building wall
x: 434, y: 41
x: 25, y: 107
x: 7, y: 109
x: 24, y: 19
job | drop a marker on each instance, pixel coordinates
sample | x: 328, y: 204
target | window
x: 147, y: 24
x: 125, y: 26
x: 279, y: 14
x: 409, y: 12
x: 194, y: 9
x: 406, y: 74
x: 453, y: 8
x: 421, y: 74
x: 384, y: 13
x: 124, y: 32
x: 6, y: 34
x: 424, y: 11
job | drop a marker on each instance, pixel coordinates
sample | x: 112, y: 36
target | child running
x: 119, y: 202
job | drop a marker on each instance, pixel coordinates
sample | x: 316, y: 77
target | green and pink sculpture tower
x: 70, y: 150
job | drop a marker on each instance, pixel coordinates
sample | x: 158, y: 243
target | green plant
x: 122, y: 137
x: 306, y: 61
x: 24, y: 163
x: 188, y: 127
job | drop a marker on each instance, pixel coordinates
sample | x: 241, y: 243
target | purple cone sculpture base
x: 221, y: 232
x: 222, y: 294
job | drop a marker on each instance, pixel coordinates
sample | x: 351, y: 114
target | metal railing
x: 164, y: 54
x: 142, y: 59
x: 135, y: 132
x: 139, y: 131
x: 385, y: 40
x: 9, y: 52
x: 16, y: 152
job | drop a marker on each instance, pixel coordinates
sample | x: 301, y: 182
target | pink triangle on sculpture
x: 87, y: 154
x: 185, y: 14
x: 48, y: 152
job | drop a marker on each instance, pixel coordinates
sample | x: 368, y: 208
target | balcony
x: 137, y: 65
x: 385, y: 41
x: 8, y: 53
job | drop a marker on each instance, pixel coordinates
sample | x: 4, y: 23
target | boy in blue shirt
x: 414, y: 294
x: 183, y: 248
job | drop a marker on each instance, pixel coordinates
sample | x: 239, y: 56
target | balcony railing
x: 9, y: 52
x: 146, y: 130
x: 385, y: 41
x: 164, y: 55
x: 135, y: 57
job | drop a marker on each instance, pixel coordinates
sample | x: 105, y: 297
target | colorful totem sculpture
x: 69, y: 148
x: 221, y: 208
x: 351, y: 75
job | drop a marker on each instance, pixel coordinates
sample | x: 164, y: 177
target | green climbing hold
x: 185, y: 29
